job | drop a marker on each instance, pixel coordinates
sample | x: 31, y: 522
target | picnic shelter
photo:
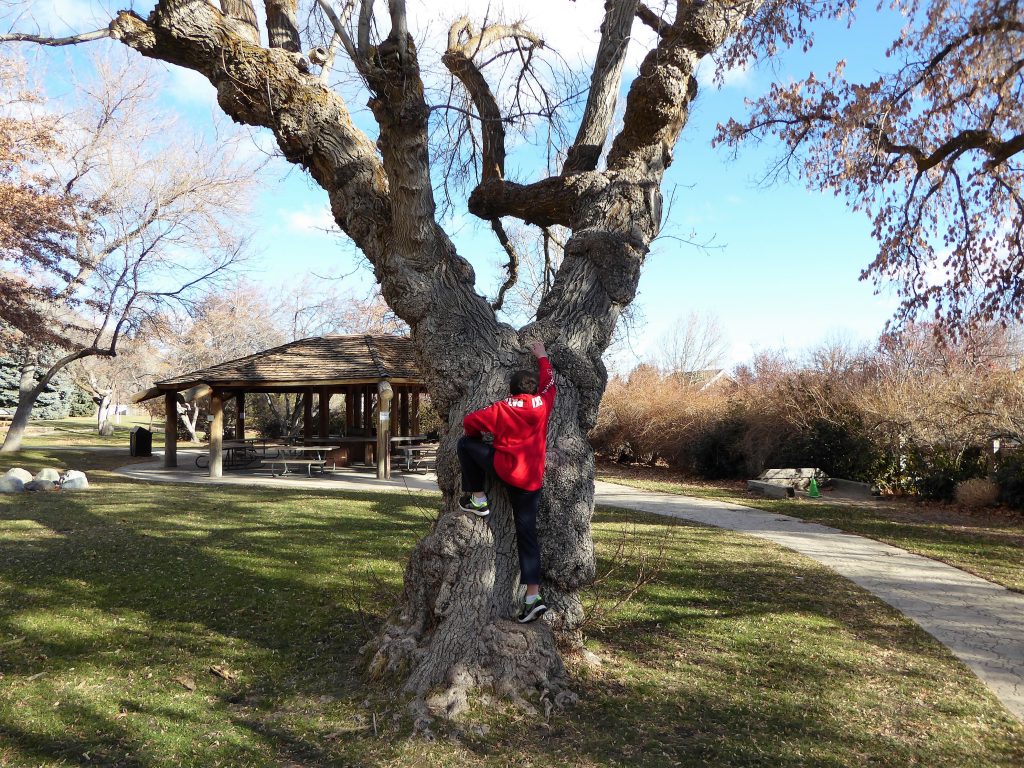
x: 374, y: 373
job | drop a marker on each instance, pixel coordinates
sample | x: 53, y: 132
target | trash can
x: 140, y: 442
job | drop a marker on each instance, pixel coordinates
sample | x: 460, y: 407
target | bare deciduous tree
x: 153, y: 214
x: 695, y: 343
x: 931, y: 150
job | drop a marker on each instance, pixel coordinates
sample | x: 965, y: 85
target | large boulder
x: 48, y: 473
x: 41, y: 485
x: 21, y: 474
x: 73, y: 480
x: 9, y: 484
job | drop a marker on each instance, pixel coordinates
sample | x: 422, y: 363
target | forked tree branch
x: 463, y: 44
x: 998, y: 150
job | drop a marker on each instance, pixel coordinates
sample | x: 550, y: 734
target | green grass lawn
x: 81, y: 431
x: 166, y: 625
x: 990, y: 546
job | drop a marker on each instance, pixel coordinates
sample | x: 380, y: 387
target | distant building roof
x: 312, y: 362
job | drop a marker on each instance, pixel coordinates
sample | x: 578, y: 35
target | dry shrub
x: 977, y: 492
x: 652, y: 416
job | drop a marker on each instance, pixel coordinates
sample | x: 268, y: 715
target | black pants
x: 477, y: 459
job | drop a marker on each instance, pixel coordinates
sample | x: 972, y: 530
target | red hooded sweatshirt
x: 519, y: 424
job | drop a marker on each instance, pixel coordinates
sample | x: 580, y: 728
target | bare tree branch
x: 341, y: 33
x: 85, y: 37
x: 513, y: 263
x: 282, y: 27
x: 651, y: 19
x: 463, y: 44
x: 604, y: 87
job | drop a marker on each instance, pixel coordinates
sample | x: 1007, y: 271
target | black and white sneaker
x: 532, y: 611
x: 479, y: 508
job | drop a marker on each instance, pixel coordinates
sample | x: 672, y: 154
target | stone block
x: 41, y: 485
x: 9, y: 484
x: 73, y: 480
x: 774, y: 489
x: 799, y: 478
x: 21, y: 474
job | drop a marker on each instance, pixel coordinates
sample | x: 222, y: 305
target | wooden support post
x: 357, y: 409
x: 414, y: 417
x: 384, y: 399
x: 368, y: 410
x: 349, y: 419
x: 240, y: 416
x: 403, y: 412
x: 307, y: 414
x: 171, y: 430
x: 325, y: 412
x: 217, y: 434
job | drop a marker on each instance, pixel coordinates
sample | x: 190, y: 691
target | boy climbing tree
x: 510, y: 437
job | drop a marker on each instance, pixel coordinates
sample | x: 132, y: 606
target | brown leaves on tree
x: 931, y: 150
x: 36, y: 228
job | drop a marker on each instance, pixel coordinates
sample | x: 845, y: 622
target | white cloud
x: 737, y: 77
x: 309, y: 220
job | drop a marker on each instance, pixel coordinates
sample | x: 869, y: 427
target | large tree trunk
x: 453, y: 629
x: 188, y: 414
x: 28, y: 393
x: 103, y: 409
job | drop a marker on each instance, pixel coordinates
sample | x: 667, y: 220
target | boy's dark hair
x: 523, y: 383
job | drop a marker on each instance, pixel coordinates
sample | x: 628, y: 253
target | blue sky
x: 785, y: 270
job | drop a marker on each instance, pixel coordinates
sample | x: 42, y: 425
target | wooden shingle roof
x: 312, y: 362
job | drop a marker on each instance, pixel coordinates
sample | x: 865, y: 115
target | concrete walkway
x: 334, y: 480
x: 980, y: 622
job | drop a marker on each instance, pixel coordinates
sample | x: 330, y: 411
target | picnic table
x: 415, y: 455
x: 237, y: 454
x: 289, y: 455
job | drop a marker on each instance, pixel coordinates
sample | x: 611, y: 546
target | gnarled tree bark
x: 453, y: 629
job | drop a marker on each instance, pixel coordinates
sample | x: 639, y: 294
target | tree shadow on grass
x: 746, y: 655
x: 169, y: 582
x: 142, y: 589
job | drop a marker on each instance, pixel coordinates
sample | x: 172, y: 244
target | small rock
x: 48, y: 473
x: 40, y: 485
x: 10, y: 484
x: 22, y: 474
